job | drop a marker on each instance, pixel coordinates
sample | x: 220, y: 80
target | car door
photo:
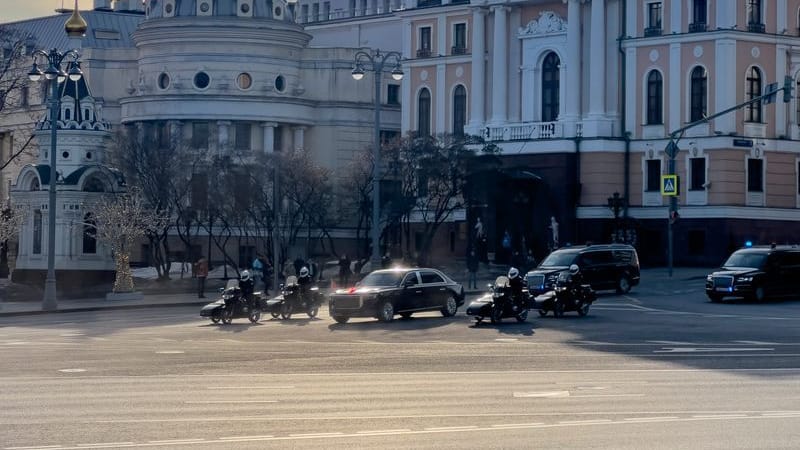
x: 411, y: 295
x: 435, y: 291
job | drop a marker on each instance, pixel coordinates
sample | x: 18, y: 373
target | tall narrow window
x: 459, y: 110
x: 655, y: 98
x: 699, y: 94
x: 700, y: 12
x: 653, y: 19
x: 753, y: 12
x: 242, y: 136
x: 753, y: 86
x: 798, y: 177
x: 37, y: 232
x: 89, y: 235
x: 550, y: 87
x: 200, y: 135
x: 424, y: 113
x: 698, y: 175
x: 424, y: 45
x: 459, y: 39
x: 393, y: 94
x: 653, y: 182
x: 755, y: 175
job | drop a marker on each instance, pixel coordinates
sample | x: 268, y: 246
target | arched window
x: 37, y: 232
x: 459, y: 110
x: 34, y: 185
x: 94, y: 184
x: 550, y: 86
x: 753, y: 90
x: 699, y: 94
x: 89, y: 234
x: 655, y: 98
x: 424, y: 113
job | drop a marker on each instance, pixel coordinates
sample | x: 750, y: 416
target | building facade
x: 580, y: 96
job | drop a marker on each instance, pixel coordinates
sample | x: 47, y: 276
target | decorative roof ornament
x: 76, y: 25
x: 548, y: 22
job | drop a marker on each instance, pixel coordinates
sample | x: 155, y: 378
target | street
x: 659, y: 368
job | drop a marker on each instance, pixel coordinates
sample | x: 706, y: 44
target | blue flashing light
x: 748, y: 243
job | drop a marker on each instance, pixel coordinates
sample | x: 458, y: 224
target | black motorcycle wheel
x: 497, y: 314
x: 275, y: 314
x: 542, y: 312
x: 522, y: 316
x: 286, y: 310
x: 312, y: 311
x: 558, y: 309
x: 583, y: 309
x: 478, y: 320
x: 227, y: 316
x: 341, y: 319
x: 254, y: 316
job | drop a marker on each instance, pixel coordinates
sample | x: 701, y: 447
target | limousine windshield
x: 746, y: 259
x: 559, y: 259
x: 376, y: 279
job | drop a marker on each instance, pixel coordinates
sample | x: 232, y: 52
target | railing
x: 652, y: 31
x: 457, y: 50
x: 530, y: 130
x: 424, y: 53
x: 698, y: 27
x: 755, y: 27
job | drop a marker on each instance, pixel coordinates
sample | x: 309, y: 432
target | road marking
x: 398, y: 430
x: 718, y: 416
x: 170, y: 352
x: 548, y: 394
x: 514, y: 425
x: 607, y: 395
x: 105, y: 444
x: 506, y: 339
x: 177, y: 441
x: 707, y: 349
x: 337, y: 433
x: 584, y: 422
x: 265, y: 436
x: 466, y: 427
x: 33, y: 447
x: 212, y: 402
x: 72, y: 370
x: 672, y: 342
x: 651, y: 419
x: 757, y: 343
x: 215, y: 388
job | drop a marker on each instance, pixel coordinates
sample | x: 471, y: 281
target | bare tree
x: 11, y: 218
x: 430, y: 173
x: 14, y: 90
x: 356, y: 194
x: 119, y: 222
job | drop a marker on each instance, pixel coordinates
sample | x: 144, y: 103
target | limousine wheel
x: 450, y: 307
x: 623, y: 285
x: 386, y: 312
x: 759, y: 294
x: 341, y: 319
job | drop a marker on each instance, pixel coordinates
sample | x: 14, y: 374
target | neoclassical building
x: 580, y: 96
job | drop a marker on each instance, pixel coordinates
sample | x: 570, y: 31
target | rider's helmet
x: 304, y: 272
x: 574, y: 269
x: 513, y: 273
x: 245, y: 275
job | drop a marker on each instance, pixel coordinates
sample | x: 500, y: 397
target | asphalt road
x: 660, y: 368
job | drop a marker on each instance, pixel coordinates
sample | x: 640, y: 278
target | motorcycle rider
x: 304, y: 282
x: 515, y: 283
x: 575, y: 278
x: 247, y: 286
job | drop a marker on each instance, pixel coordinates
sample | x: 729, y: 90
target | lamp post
x: 376, y: 61
x: 54, y: 74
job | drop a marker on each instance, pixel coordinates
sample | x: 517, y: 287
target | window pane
x: 242, y: 136
x: 653, y: 175
x: 698, y: 168
x: 654, y: 98
x: 699, y: 90
x: 200, y: 135
x: 753, y: 110
x: 550, y: 88
x: 459, y: 110
x: 424, y: 119
x: 755, y: 169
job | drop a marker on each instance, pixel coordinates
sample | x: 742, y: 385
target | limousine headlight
x: 709, y: 278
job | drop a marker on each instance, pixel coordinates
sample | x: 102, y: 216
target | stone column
x: 499, y: 65
x: 597, y: 60
x: 299, y: 135
x: 573, y: 66
x: 223, y: 139
x: 269, y: 136
x: 477, y: 92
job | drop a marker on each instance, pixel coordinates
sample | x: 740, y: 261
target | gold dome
x: 76, y: 26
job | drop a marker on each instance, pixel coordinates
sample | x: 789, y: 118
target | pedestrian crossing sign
x: 670, y: 185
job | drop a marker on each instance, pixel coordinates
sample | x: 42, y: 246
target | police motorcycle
x: 568, y: 294
x: 297, y: 295
x: 500, y: 303
x: 237, y: 300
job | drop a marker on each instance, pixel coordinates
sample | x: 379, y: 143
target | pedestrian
x: 344, y: 270
x: 506, y: 244
x: 386, y: 261
x: 201, y: 271
x: 258, y: 269
x: 472, y: 267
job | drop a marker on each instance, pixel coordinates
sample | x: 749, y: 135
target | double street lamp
x: 55, y: 75
x: 375, y: 61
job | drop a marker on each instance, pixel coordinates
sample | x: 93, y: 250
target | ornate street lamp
x: 54, y: 74
x: 376, y: 61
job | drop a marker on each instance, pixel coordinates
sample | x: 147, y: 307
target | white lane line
x: 506, y: 339
x: 213, y: 402
x: 719, y: 416
x: 548, y: 394
x: 514, y: 425
x: 264, y: 436
x: 33, y: 447
x: 584, y: 422
x: 781, y: 414
x: 651, y: 419
x: 466, y: 427
x: 710, y: 349
x: 757, y: 343
x: 170, y: 352
x: 216, y: 388
x: 672, y: 342
x: 315, y: 434
x: 105, y: 444
x: 398, y: 430
x: 606, y: 395
x: 176, y: 441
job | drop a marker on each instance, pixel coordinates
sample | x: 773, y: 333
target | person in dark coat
x: 344, y: 270
x: 472, y: 268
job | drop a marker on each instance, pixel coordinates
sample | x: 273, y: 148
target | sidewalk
x: 659, y: 275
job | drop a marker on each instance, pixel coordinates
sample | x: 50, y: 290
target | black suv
x: 757, y: 273
x: 611, y: 266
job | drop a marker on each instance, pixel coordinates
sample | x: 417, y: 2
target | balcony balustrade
x: 652, y: 31
x: 457, y: 50
x: 698, y: 27
x: 755, y: 27
x: 530, y: 130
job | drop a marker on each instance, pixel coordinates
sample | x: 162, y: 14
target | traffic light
x: 787, y: 89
